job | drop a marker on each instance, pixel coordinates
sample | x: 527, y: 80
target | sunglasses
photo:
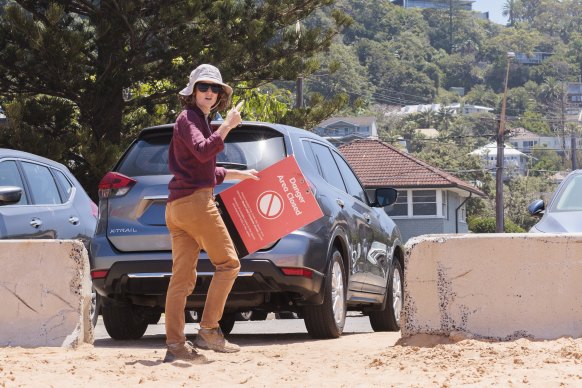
x: 202, y: 87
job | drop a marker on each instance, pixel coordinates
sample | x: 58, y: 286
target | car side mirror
x: 385, y: 196
x: 536, y: 208
x: 10, y: 195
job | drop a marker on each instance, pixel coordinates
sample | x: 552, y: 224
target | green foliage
x: 534, y: 122
x: 34, y: 120
x: 79, y: 79
x: 518, y: 194
x: 547, y: 161
x: 482, y: 95
x: 316, y: 110
x: 341, y: 72
x: 488, y: 225
x: 91, y: 54
x: 267, y: 103
x: 49, y: 126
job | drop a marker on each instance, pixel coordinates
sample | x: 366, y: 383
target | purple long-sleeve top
x: 192, y: 155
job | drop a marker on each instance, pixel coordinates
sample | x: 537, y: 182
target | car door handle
x: 74, y: 220
x: 367, y: 217
x: 340, y: 202
x: 35, y: 223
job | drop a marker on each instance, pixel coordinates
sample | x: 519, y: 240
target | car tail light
x: 99, y: 274
x: 115, y: 184
x: 305, y: 272
x: 94, y: 209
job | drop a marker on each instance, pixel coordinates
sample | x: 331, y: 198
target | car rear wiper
x: 235, y: 166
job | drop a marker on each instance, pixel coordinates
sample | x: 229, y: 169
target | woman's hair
x: 222, y: 101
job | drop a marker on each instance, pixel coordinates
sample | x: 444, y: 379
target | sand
x: 293, y: 360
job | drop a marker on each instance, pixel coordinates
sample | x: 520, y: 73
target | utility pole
x: 299, y: 92
x: 299, y: 82
x: 573, y: 143
x: 499, y: 217
x: 450, y: 26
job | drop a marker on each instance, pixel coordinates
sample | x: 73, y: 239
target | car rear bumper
x: 145, y: 282
x: 143, y: 277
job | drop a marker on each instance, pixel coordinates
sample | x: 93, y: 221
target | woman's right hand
x: 231, y: 121
x: 233, y: 118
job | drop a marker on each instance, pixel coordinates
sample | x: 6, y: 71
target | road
x: 286, y: 328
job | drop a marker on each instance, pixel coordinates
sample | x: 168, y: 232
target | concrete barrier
x: 494, y: 286
x: 45, y: 293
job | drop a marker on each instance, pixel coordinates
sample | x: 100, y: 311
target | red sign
x: 260, y: 212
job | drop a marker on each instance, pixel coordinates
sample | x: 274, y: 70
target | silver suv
x: 350, y: 259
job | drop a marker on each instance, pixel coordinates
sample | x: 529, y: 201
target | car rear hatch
x: 136, y: 201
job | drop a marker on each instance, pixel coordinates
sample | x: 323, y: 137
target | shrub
x: 487, y: 225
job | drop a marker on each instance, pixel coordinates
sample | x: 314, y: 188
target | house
x: 429, y: 200
x: 514, y: 161
x: 343, y: 129
x: 456, y: 108
x: 524, y: 141
x: 574, y: 98
x: 535, y: 58
x: 466, y: 5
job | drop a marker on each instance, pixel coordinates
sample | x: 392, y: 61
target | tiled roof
x: 379, y: 164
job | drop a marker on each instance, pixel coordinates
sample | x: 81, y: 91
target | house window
x: 400, y: 207
x: 419, y: 203
x: 424, y: 203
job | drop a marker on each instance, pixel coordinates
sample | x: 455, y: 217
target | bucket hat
x: 205, y: 73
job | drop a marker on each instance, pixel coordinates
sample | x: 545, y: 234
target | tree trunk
x: 102, y: 111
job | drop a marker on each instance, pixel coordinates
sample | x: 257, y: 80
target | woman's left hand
x: 242, y: 175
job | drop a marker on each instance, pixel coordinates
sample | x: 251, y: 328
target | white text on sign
x: 293, y: 196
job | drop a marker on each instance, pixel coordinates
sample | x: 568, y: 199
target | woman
x: 192, y: 217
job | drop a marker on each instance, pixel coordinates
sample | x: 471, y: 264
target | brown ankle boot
x: 213, y: 339
x: 184, y: 352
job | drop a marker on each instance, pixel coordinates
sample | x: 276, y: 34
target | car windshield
x: 570, y: 197
x: 245, y: 148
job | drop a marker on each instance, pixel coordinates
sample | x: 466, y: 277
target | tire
x: 328, y: 319
x: 154, y: 317
x: 95, y: 307
x: 124, y: 321
x: 388, y: 319
x: 227, y: 323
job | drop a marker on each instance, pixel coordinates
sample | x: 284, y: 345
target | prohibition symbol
x: 270, y: 205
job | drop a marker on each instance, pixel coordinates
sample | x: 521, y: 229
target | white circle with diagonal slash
x: 270, y: 205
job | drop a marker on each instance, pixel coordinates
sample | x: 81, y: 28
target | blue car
x: 350, y: 259
x: 563, y: 214
x: 40, y: 198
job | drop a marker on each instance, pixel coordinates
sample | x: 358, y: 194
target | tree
x: 547, y: 161
x: 509, y: 11
x: 520, y: 192
x: 482, y: 95
x: 341, y: 72
x: 92, y: 53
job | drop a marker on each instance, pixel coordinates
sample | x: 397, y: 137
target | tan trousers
x: 195, y: 223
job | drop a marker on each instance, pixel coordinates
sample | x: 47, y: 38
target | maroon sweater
x: 192, y: 156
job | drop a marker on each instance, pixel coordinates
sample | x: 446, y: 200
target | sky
x: 495, y: 7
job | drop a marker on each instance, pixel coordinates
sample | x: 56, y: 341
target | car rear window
x: 245, y: 148
x: 570, y: 198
